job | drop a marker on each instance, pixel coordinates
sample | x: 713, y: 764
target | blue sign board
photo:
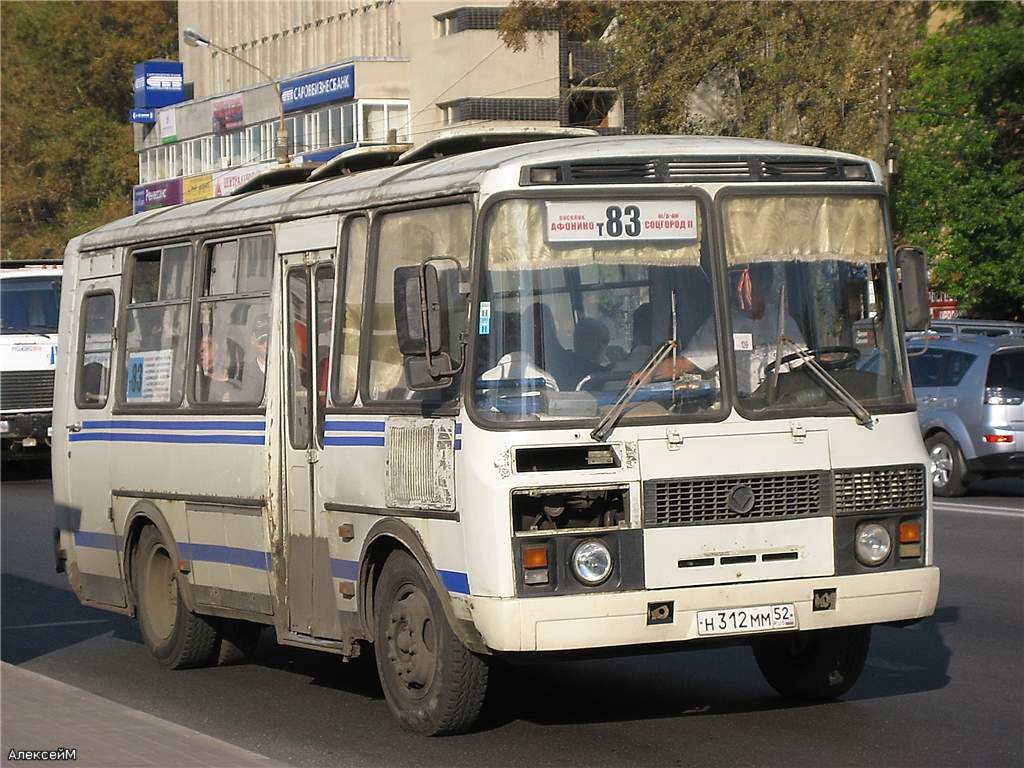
x: 319, y: 88
x: 159, y: 84
x: 142, y: 116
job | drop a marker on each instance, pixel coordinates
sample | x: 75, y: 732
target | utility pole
x: 888, y: 161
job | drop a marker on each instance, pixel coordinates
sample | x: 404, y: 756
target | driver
x: 754, y: 313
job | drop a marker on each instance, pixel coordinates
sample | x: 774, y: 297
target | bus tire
x: 816, y: 665
x: 175, y: 636
x: 432, y: 683
x: 236, y: 641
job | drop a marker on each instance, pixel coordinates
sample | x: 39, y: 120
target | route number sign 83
x: 617, y: 220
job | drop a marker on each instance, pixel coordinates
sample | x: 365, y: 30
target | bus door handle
x: 74, y: 427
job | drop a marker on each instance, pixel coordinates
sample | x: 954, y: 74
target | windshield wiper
x: 607, y: 424
x: 831, y: 384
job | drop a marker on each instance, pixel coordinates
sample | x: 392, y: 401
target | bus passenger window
x: 406, y: 239
x: 94, y: 357
x: 234, y: 323
x: 157, y: 326
x: 324, y: 329
x: 347, y: 365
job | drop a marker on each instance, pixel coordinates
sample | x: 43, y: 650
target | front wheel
x: 815, y: 665
x: 432, y: 683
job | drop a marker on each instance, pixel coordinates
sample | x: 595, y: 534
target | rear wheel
x: 432, y: 683
x: 814, y: 666
x: 175, y: 636
x: 947, y: 465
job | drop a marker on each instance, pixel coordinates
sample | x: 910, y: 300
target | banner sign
x: 158, y: 84
x: 197, y: 188
x: 319, y: 88
x: 227, y: 115
x: 149, y: 376
x: 158, y: 194
x: 618, y: 220
x: 168, y: 126
x: 226, y: 182
x: 142, y: 116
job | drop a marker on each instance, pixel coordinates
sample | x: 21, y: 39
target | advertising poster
x: 149, y: 376
x: 168, y: 126
x: 226, y: 182
x: 197, y: 188
x: 227, y: 115
x: 159, y: 194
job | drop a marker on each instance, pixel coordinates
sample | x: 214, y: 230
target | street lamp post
x: 198, y: 40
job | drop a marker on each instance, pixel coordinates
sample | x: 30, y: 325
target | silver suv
x: 970, y: 397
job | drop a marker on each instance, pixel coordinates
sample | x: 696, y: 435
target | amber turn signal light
x: 910, y: 532
x: 535, y: 556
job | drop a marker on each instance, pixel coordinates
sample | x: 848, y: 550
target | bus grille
x: 26, y: 390
x: 697, y: 501
x: 880, y: 489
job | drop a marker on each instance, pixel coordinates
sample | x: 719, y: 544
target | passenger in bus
x: 254, y: 372
x: 519, y: 365
x: 754, y: 313
x: 590, y: 341
x: 213, y: 384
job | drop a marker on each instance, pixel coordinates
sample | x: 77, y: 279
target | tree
x: 804, y: 72
x: 67, y: 156
x: 961, y: 190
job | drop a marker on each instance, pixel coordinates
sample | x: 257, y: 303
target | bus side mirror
x: 913, y: 272
x: 421, y: 323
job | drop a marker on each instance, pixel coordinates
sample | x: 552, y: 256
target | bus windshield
x: 30, y: 304
x: 807, y: 278
x: 567, y: 316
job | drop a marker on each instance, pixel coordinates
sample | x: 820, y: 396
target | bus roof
x: 428, y: 179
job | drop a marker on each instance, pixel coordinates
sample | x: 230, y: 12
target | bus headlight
x: 592, y: 562
x: 872, y: 543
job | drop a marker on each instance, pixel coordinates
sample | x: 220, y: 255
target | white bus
x: 584, y: 393
x: 29, y: 312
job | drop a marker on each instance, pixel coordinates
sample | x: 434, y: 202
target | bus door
x: 309, y: 292
x: 89, y: 525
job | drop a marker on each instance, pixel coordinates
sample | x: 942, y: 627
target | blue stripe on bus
x: 354, y: 426
x: 247, y: 426
x: 96, y: 540
x: 353, y: 440
x: 454, y: 581
x: 216, y: 553
x: 344, y: 569
x: 138, y: 437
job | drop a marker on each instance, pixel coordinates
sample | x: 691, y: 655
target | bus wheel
x: 236, y: 641
x: 815, y: 665
x: 432, y: 683
x: 174, y: 635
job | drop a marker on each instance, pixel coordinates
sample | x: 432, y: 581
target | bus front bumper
x: 612, y: 619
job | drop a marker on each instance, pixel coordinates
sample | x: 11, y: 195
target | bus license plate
x: 758, y: 618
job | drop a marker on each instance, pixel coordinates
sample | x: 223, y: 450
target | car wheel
x: 813, y: 665
x: 947, y: 465
x: 432, y: 683
x: 175, y: 636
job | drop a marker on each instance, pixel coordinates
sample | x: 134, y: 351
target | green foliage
x: 67, y: 156
x: 961, y: 189
x: 803, y: 72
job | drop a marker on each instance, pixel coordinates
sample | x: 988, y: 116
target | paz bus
x: 507, y: 394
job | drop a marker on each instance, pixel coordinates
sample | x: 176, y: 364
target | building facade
x: 351, y: 73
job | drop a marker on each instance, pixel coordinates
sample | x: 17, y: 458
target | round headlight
x: 873, y: 543
x: 592, y: 562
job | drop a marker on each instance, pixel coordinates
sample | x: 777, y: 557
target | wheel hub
x: 942, y: 465
x: 411, y: 641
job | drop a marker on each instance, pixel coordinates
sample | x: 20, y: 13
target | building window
x: 378, y: 118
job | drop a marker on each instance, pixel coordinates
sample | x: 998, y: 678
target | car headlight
x: 592, y: 562
x: 872, y: 543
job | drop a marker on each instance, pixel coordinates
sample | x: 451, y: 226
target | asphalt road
x: 949, y: 691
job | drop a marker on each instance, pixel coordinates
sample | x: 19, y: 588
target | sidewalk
x: 39, y: 713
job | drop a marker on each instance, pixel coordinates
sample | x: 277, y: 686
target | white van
x: 572, y: 394
x: 29, y: 312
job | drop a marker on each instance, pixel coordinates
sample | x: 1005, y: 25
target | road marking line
x: 998, y: 508
x: 990, y: 511
x: 59, y: 624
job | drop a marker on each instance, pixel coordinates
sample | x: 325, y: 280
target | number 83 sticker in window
x: 593, y: 221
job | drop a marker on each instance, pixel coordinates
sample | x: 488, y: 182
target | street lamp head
x: 195, y: 38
